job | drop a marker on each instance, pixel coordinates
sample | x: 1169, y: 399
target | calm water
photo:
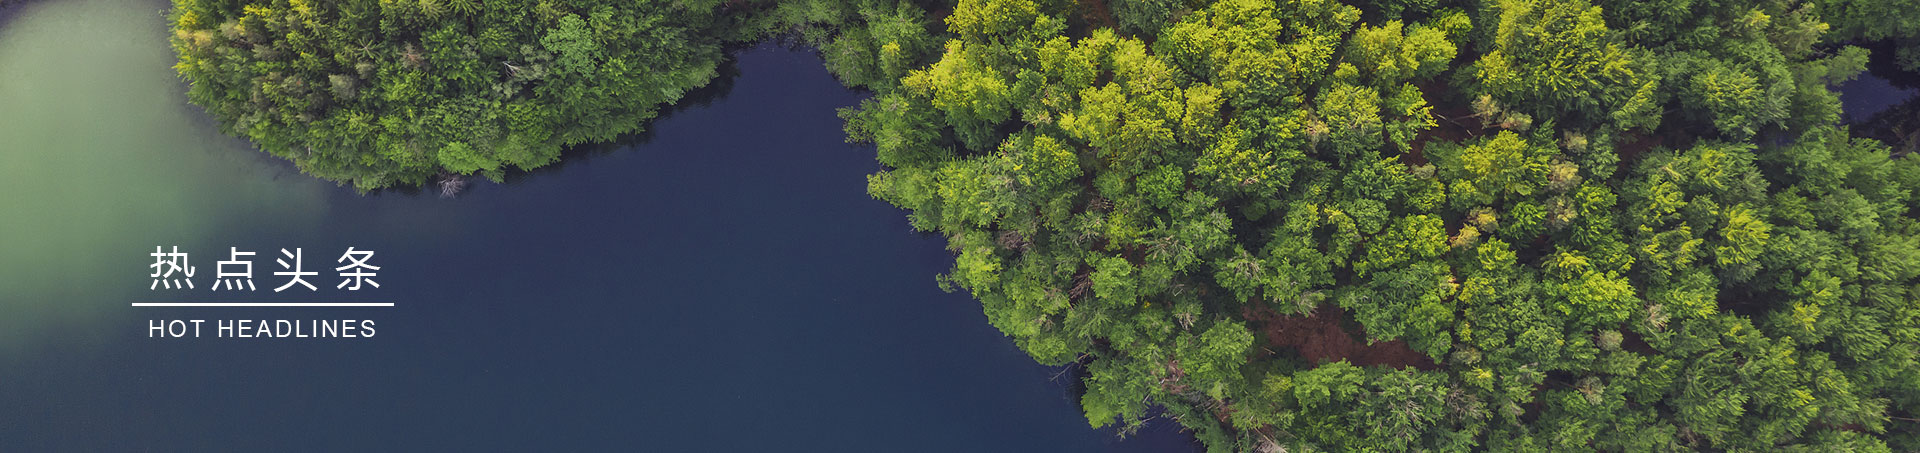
x: 723, y: 285
x: 1870, y: 94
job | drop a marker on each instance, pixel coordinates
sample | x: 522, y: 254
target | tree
x: 1557, y: 54
x: 1542, y: 224
x: 379, y: 95
x: 1622, y: 236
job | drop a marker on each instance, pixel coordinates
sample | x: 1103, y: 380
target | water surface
x: 724, y: 284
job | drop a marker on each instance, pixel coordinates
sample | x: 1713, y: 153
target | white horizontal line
x: 263, y: 304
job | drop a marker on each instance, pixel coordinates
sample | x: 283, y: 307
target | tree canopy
x: 1533, y: 225
x: 380, y: 93
x: 1612, y: 225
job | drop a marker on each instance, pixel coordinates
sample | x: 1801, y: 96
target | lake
x: 721, y: 283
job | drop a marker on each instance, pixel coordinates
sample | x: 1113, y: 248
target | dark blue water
x: 725, y: 285
x: 1870, y: 94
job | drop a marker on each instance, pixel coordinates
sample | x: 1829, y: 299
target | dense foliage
x: 1298, y: 224
x: 382, y: 92
x: 1895, y: 21
x: 1618, y: 226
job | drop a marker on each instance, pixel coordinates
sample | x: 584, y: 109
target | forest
x: 1285, y: 225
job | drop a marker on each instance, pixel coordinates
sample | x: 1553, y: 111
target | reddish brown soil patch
x: 1631, y: 146
x: 1632, y: 342
x: 1098, y: 14
x: 1454, y: 122
x: 1319, y: 338
x: 1637, y: 145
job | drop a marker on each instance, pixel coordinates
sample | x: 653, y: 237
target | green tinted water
x: 704, y: 290
x: 101, y: 159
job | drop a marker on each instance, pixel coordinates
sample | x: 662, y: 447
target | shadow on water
x: 9, y: 9
x: 714, y: 91
x: 1158, y: 431
x: 1881, y: 64
x: 706, y: 95
x: 1897, y: 126
x: 476, y: 358
x: 1884, y: 103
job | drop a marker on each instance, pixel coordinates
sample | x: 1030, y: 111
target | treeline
x: 1617, y: 226
x: 1558, y: 224
x: 381, y: 93
x: 1896, y: 22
